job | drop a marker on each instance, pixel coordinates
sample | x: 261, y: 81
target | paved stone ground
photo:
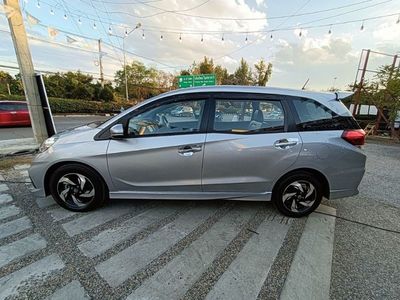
x: 142, y: 249
x: 203, y: 249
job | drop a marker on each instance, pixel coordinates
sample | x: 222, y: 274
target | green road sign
x: 196, y: 80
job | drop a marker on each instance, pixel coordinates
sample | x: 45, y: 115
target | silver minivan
x: 292, y: 147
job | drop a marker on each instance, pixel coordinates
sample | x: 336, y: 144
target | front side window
x: 176, y: 117
x: 248, y: 116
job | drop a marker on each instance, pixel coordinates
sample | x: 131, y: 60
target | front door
x: 163, y: 151
x: 248, y: 145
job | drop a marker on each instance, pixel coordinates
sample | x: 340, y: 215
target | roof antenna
x: 304, y: 86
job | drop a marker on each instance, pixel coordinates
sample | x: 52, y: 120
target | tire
x: 298, y: 194
x: 77, y: 188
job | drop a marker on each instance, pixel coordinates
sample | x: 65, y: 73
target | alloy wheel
x: 299, y: 196
x: 76, y: 190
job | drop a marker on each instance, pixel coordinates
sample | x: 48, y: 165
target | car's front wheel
x: 298, y: 194
x: 77, y: 188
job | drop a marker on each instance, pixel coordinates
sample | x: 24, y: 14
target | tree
x: 142, y: 81
x: 243, y: 73
x: 221, y: 74
x: 262, y: 73
x: 204, y: 67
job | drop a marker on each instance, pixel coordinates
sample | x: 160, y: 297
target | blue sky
x: 317, y: 55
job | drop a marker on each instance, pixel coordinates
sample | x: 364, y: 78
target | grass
x: 9, y: 162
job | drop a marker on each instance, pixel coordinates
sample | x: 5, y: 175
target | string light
x: 94, y: 26
x: 223, y: 38
x: 38, y: 4
x: 362, y: 26
x: 79, y: 21
x: 180, y: 38
x: 300, y: 33
x: 126, y: 32
x: 65, y: 16
x: 202, y: 39
x: 109, y: 29
x: 271, y: 37
x: 398, y: 20
x: 161, y: 37
x: 52, y: 12
x: 143, y: 36
x: 246, y: 40
x: 330, y: 30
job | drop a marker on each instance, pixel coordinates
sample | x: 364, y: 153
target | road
x: 61, y: 122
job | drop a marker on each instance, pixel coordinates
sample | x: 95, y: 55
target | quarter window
x: 176, y: 117
x: 248, y: 116
x: 312, y: 115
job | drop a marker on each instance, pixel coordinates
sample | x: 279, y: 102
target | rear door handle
x: 286, y: 143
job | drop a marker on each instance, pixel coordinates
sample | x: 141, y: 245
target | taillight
x: 355, y: 137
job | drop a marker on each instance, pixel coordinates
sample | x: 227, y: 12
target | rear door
x: 21, y: 114
x: 248, y: 145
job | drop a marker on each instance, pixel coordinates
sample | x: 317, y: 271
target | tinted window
x: 248, y: 116
x: 13, y: 107
x: 312, y: 115
x: 176, y: 117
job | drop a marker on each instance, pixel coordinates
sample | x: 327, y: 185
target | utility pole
x: 27, y: 71
x: 126, y: 75
x: 127, y: 33
x: 101, y: 65
x: 360, y: 85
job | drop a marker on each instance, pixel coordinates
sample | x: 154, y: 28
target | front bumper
x: 36, y: 174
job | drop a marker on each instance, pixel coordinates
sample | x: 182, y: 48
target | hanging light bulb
x: 109, y: 29
x: 161, y: 37
x: 362, y: 26
x: 143, y: 36
x: 271, y: 37
x: 330, y: 31
x: 223, y: 38
x: 398, y: 20
x: 126, y: 32
x: 52, y: 12
x: 180, y: 38
x: 300, y: 33
x: 65, y: 16
x: 79, y: 21
x: 246, y: 39
x: 38, y: 4
x: 202, y: 39
x: 94, y: 26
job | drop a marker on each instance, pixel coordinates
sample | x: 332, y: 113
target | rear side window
x: 248, y: 116
x: 312, y: 115
x: 12, y: 106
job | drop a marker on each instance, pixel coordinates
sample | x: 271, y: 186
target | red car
x: 14, y: 113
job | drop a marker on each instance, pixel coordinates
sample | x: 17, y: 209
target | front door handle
x: 286, y: 143
x: 188, y: 150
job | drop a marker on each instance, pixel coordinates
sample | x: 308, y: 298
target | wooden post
x: 27, y: 71
x: 359, y: 87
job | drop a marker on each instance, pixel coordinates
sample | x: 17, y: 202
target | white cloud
x: 387, y: 32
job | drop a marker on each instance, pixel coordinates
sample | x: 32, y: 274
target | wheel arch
x: 63, y: 163
x: 324, y: 181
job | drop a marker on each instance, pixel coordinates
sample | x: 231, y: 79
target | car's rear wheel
x: 77, y: 188
x: 298, y: 194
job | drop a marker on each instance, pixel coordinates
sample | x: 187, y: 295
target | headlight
x: 48, y: 143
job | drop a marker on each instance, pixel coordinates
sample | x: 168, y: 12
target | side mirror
x: 117, y: 131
